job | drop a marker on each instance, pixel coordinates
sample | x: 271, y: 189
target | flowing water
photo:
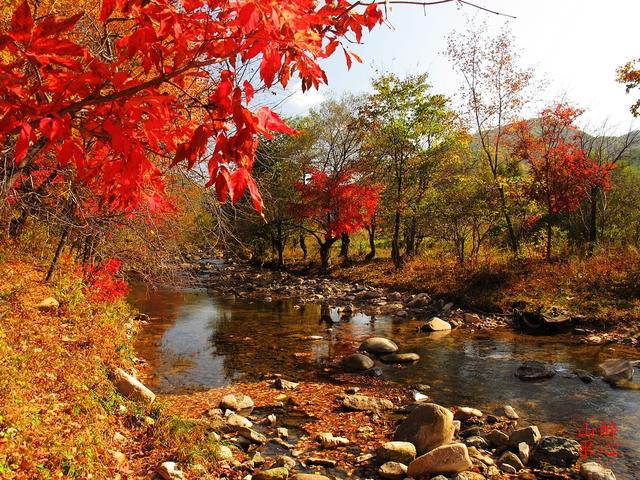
x: 197, y: 340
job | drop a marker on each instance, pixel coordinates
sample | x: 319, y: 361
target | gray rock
x: 400, y: 358
x: 327, y: 440
x: 236, y: 401
x: 357, y: 362
x: 278, y: 473
x: 469, y: 476
x: 282, y: 384
x: 308, y: 476
x: 286, y: 462
x: 476, y: 441
x: 251, y: 435
x: 450, y: 458
x: 223, y: 453
x: 436, y: 325
x: 392, y: 471
x: 234, y: 420
x: 322, y: 462
x: 556, y: 451
x: 378, y: 345
x: 170, y: 471
x: 363, y: 403
x: 510, y: 413
x: 595, y: 471
x: 131, y: 387
x: 529, y: 435
x: 534, y: 370
x: 524, y: 452
x: 505, y: 467
x: 464, y: 413
x: 497, y: 438
x: 616, y: 370
x: 510, y: 458
x: 428, y: 426
x: 401, y: 452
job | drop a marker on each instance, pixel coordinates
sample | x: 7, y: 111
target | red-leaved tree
x: 332, y: 205
x: 150, y: 84
x: 561, y: 173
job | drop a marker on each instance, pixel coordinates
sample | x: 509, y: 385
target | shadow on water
x: 196, y: 341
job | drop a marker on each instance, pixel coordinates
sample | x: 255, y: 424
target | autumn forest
x: 200, y: 282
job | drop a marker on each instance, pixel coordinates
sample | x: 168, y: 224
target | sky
x: 575, y: 46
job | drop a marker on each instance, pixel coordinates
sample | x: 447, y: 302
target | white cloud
x: 306, y: 100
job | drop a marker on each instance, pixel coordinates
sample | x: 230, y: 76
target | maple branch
x: 437, y: 2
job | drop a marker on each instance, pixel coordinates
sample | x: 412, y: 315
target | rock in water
x: 393, y: 471
x: 534, y: 370
x: 357, y: 362
x: 557, y: 451
x: 428, y: 426
x: 400, y: 358
x: 595, y: 471
x: 450, y: 458
x: 510, y: 413
x: 170, y: 471
x: 400, y: 452
x: 131, y: 387
x: 616, y: 370
x: 236, y: 401
x: 436, y: 325
x: 278, y: 473
x: 363, y: 403
x: 378, y: 345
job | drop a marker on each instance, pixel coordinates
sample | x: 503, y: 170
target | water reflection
x: 196, y: 340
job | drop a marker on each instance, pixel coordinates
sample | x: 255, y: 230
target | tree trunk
x: 593, y: 219
x: 395, y: 242
x: 56, y: 256
x: 371, y: 230
x: 549, y: 240
x: 325, y: 256
x: 280, y: 245
x: 303, y: 247
x: 513, y: 239
x: 410, y: 237
x: 344, y: 247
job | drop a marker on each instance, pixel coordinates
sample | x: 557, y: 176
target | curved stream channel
x: 196, y: 340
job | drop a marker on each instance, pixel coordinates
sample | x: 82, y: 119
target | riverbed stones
x: 308, y: 476
x: 401, y: 452
x: 556, y: 451
x: 510, y: 412
x: 223, y: 453
x: 524, y: 452
x: 357, y: 362
x: 534, y: 370
x: 286, y: 462
x: 428, y: 426
x: 131, y: 387
x: 465, y: 413
x: 251, y: 435
x: 327, y: 440
x: 392, y: 471
x: 321, y: 462
x: 595, y: 471
x: 364, y: 403
x: 616, y: 370
x: 476, y: 441
x: 469, y: 476
x: 512, y: 459
x: 378, y: 345
x: 529, y: 435
x: 436, y: 324
x: 450, y: 458
x: 236, y: 402
x: 400, y: 358
x: 234, y: 420
x: 278, y: 473
x: 497, y: 438
x: 170, y: 471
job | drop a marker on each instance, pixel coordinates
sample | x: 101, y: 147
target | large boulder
x: 364, y: 403
x: 595, y: 471
x: 400, y: 358
x: 378, y: 345
x: 357, y: 362
x: 534, y: 370
x: 131, y: 387
x: 529, y: 435
x: 450, y: 458
x: 616, y: 370
x: 556, y: 451
x: 401, y: 452
x: 236, y: 401
x: 436, y: 325
x: 428, y: 426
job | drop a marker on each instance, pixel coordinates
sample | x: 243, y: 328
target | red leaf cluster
x: 101, y: 282
x: 112, y: 115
